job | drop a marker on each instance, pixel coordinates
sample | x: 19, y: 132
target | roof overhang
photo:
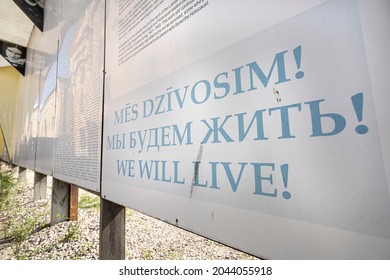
x: 15, y: 26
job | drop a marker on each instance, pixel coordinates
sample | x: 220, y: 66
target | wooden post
x: 112, y: 231
x: 40, y: 183
x: 60, y: 202
x: 74, y: 203
x: 22, y: 174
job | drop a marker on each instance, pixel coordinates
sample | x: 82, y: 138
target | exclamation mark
x: 284, y: 169
x: 297, y: 55
x: 357, y: 102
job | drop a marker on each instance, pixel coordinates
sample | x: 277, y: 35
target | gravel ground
x: 146, y: 238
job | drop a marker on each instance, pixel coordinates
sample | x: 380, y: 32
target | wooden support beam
x: 112, y: 231
x: 40, y: 184
x: 74, y: 203
x: 22, y: 174
x: 60, y: 202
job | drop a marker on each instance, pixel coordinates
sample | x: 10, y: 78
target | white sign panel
x: 267, y: 142
x: 79, y: 94
x: 29, y: 100
x: 45, y: 48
